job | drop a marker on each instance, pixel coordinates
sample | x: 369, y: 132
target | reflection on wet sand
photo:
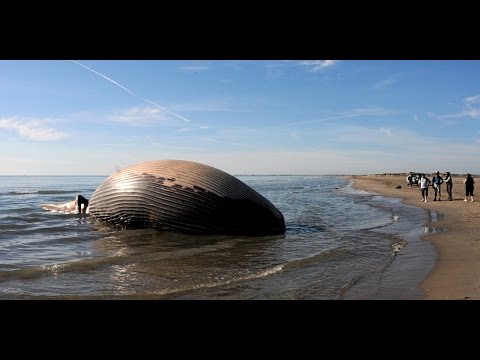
x: 433, y: 216
x: 432, y: 230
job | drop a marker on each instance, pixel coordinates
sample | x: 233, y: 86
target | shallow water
x: 340, y: 244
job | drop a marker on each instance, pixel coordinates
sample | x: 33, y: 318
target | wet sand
x: 457, y: 272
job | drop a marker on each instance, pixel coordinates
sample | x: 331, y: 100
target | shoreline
x: 456, y: 274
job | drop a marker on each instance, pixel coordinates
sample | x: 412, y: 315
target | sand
x: 457, y: 272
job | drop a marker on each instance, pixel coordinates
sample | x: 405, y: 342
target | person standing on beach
x: 437, y: 181
x: 424, y: 181
x: 468, y: 186
x: 449, y: 184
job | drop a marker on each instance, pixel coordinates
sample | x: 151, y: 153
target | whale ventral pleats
x: 184, y: 196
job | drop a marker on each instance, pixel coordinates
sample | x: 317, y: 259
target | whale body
x: 184, y: 196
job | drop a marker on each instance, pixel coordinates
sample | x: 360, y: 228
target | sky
x: 303, y: 117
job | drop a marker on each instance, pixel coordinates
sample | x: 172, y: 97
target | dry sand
x: 457, y: 272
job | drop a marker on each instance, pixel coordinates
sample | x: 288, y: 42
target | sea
x: 340, y: 243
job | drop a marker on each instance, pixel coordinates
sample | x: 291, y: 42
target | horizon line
x: 390, y: 173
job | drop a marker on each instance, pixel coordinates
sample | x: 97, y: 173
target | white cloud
x: 365, y: 136
x: 225, y: 139
x: 204, y: 127
x: 364, y: 111
x: 32, y: 129
x: 318, y: 65
x: 386, y: 131
x: 472, y: 99
x: 185, y: 129
x: 472, y: 112
x: 206, y: 105
x: 139, y: 116
x: 386, y: 82
x: 452, y: 116
x: 195, y: 68
x: 469, y: 110
x: 370, y: 111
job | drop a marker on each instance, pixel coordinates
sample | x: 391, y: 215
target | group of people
x: 437, y: 181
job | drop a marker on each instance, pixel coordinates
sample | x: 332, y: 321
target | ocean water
x: 340, y: 243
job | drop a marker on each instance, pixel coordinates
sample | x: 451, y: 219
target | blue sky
x: 244, y: 117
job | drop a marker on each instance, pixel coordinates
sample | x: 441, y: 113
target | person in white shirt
x: 424, y: 181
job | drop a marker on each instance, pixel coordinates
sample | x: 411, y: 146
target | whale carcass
x: 184, y: 196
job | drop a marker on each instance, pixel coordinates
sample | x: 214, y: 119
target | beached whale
x: 184, y: 196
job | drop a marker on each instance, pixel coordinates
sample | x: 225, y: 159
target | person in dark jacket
x: 468, y: 186
x: 449, y: 184
x: 437, y: 181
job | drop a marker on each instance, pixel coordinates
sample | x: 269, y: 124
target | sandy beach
x: 457, y: 272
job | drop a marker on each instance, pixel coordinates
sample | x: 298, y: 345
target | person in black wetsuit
x: 81, y: 200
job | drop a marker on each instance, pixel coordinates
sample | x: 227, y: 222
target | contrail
x: 162, y: 108
x: 105, y: 77
x: 130, y: 92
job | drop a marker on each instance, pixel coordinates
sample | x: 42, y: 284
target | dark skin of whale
x: 184, y: 196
